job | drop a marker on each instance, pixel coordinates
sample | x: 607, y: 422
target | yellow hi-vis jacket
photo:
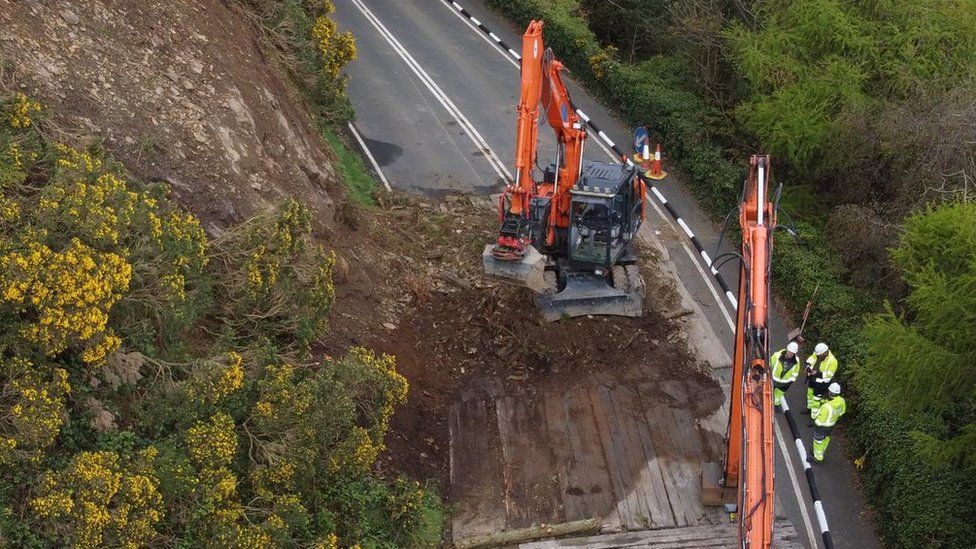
x: 826, y: 370
x: 830, y: 412
x: 783, y: 372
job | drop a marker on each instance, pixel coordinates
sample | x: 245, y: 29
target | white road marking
x: 494, y: 44
x: 438, y: 93
x: 711, y: 289
x: 369, y: 155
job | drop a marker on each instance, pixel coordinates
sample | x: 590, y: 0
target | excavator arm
x: 749, y: 451
x: 542, y: 84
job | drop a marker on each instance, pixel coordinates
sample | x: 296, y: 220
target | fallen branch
x: 511, y: 537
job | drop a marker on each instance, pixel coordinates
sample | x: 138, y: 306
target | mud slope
x: 177, y: 91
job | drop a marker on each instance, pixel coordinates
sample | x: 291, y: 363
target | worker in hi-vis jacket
x: 829, y: 412
x: 786, y: 369
x: 821, y: 368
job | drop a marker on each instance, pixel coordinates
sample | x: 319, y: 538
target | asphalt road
x: 435, y: 102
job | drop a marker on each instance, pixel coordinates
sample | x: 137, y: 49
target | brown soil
x: 180, y: 92
x: 416, y: 290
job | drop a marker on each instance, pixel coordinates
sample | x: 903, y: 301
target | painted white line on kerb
x: 783, y: 449
x: 437, y: 92
x: 369, y: 155
x: 494, y: 44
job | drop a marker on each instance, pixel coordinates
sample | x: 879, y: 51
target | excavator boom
x: 749, y: 460
x: 752, y: 429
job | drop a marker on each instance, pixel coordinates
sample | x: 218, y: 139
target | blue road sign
x: 640, y: 139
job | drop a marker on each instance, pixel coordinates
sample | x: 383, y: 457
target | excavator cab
x: 598, y: 273
x: 604, y: 215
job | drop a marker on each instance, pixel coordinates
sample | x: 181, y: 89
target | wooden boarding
x: 711, y: 536
x: 571, y: 477
x: 627, y: 413
x: 475, y: 467
x: 588, y: 465
x: 531, y: 482
x: 626, y: 449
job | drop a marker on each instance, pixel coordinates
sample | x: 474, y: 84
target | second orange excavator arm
x: 749, y: 454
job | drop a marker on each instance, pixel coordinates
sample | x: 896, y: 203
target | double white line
x: 438, y: 93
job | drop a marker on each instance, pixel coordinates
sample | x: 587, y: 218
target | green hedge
x: 653, y: 93
x: 917, y: 505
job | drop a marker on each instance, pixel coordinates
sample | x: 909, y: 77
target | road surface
x: 435, y: 102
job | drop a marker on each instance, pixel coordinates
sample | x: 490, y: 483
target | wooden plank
x: 628, y: 506
x: 539, y: 500
x: 571, y: 493
x: 629, y: 416
x: 681, y: 477
x: 476, y: 468
x: 671, y: 538
x: 510, y: 464
x: 589, y: 463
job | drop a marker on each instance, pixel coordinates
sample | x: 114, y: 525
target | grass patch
x: 359, y: 183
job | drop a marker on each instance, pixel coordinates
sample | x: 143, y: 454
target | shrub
x: 219, y: 429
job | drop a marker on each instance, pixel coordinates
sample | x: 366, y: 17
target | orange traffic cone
x: 656, y: 173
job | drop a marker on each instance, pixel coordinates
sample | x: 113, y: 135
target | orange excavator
x: 569, y: 235
x: 745, y: 479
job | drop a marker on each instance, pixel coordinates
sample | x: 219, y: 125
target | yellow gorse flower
x: 96, y: 501
x: 20, y: 109
x: 212, y: 444
x: 69, y: 292
x: 337, y: 49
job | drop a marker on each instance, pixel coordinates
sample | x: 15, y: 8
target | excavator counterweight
x: 569, y: 235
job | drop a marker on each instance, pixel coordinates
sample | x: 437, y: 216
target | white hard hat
x: 793, y: 347
x: 834, y: 388
x: 820, y: 349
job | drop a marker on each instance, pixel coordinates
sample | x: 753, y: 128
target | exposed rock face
x: 179, y: 91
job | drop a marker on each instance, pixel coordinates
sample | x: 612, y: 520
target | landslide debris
x: 180, y: 92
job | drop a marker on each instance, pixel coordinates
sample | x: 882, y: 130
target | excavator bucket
x: 529, y: 271
x: 590, y: 294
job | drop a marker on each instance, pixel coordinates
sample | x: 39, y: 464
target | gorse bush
x: 158, y: 388
x: 306, y: 39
